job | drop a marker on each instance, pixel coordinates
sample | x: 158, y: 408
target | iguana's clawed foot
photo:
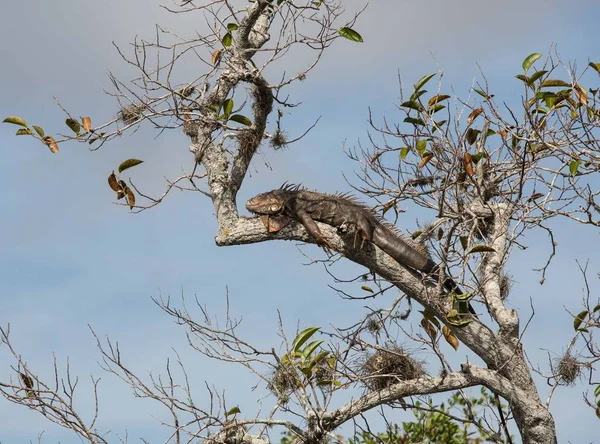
x: 363, y: 238
x: 326, y: 245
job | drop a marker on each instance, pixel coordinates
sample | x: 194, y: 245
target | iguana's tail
x: 408, y: 256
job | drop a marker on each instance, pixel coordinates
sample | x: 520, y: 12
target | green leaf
x: 241, y: 119
x: 478, y: 156
x: 412, y: 104
x: 530, y: 60
x: 548, y: 97
x: 597, y: 391
x: 522, y: 78
x: 74, y: 125
x: 310, y: 348
x: 414, y: 121
x: 23, y: 132
x: 307, y: 371
x: 482, y: 93
x: 227, y: 107
x: 480, y: 249
x: 367, y: 288
x: 455, y: 318
x: 579, y: 319
x: 417, y: 94
x: 550, y: 83
x: 435, y: 108
x: 535, y: 76
x: 227, y: 40
x: 233, y: 411
x: 16, y: 121
x: 303, y: 336
x: 126, y: 164
x: 421, y: 146
x: 320, y: 357
x: 596, y: 308
x: 350, y: 34
x: 404, y: 152
x: 423, y: 80
x: 573, y: 167
x: 232, y: 27
x: 39, y: 130
x: 464, y: 297
x: 595, y: 66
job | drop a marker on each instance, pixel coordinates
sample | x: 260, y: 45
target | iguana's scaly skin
x: 277, y: 207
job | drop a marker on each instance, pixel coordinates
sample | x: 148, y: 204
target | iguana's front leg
x: 313, y: 229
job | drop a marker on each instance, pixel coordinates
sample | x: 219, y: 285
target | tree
x: 486, y: 174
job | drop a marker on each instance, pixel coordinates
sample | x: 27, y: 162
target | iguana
x: 278, y: 207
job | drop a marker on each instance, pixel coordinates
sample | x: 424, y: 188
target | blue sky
x: 70, y: 257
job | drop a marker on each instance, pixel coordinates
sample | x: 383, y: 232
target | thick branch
x: 491, y: 268
x: 476, y: 335
x: 421, y: 386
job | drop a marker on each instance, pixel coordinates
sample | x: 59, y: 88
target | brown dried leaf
x: 502, y: 133
x: 130, y: 197
x: 474, y: 115
x: 376, y: 156
x: 113, y: 184
x: 186, y: 113
x: 535, y: 197
x: 429, y: 328
x: 449, y: 337
x: 51, y: 144
x: 440, y: 234
x: 86, y: 123
x: 216, y: 57
x: 471, y: 135
x: 26, y: 380
x: 468, y: 160
x: 436, y: 99
x: 425, y: 159
x: 581, y: 94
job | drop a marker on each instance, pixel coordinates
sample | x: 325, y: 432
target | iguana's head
x: 271, y: 203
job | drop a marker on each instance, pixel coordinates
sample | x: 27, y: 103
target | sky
x: 71, y: 259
